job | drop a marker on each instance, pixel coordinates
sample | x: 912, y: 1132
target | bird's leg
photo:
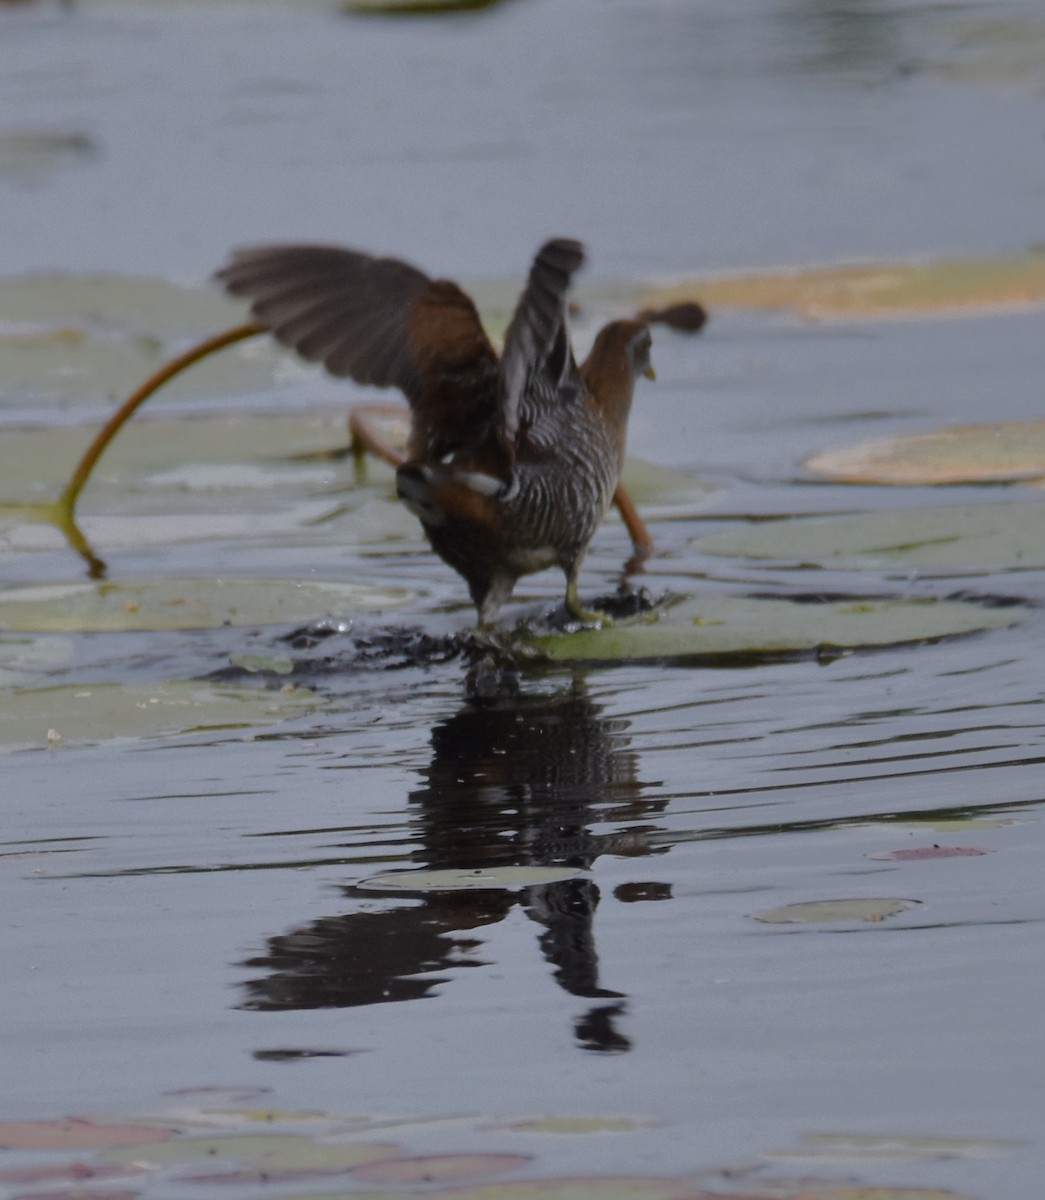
x: 587, y: 616
x: 365, y: 425
x: 641, y: 542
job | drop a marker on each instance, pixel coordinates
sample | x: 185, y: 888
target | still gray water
x: 182, y: 901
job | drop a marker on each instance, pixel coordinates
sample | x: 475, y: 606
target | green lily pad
x: 813, y: 912
x: 996, y: 453
x: 95, y: 712
x: 102, y: 607
x: 36, y: 152
x: 478, y: 879
x: 963, y: 537
x: 246, y: 452
x: 66, y: 338
x: 715, y: 625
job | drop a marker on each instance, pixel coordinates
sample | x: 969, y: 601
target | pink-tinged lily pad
x: 818, y: 911
x: 440, y: 1168
x: 916, y: 853
x: 77, y: 1193
x: 78, y: 1172
x: 591, y: 1187
x: 76, y: 1134
x: 835, y: 1191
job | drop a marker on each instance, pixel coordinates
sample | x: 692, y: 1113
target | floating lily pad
x: 75, y: 1134
x: 898, y: 1148
x: 478, y: 879
x: 872, y: 290
x: 997, y: 453
x: 408, y: 8
x: 816, y: 911
x: 68, y: 338
x: 576, y: 1124
x: 715, y: 625
x: 439, y: 1168
x: 95, y: 712
x: 128, y: 606
x: 918, y: 853
x: 592, y: 1187
x: 970, y: 537
x: 197, y: 453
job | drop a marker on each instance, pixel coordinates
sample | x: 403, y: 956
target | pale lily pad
x: 478, y: 879
x: 592, y: 1187
x: 76, y: 1134
x: 101, y: 607
x: 888, y: 1148
x: 75, y: 337
x: 812, y: 912
x: 95, y: 712
x: 577, y: 1125
x: 990, y: 453
x: 439, y: 1168
x: 872, y: 290
x: 919, y: 853
x: 967, y: 537
x: 716, y: 625
x: 258, y: 452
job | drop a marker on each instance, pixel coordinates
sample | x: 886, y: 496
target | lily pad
x: 716, y: 625
x: 872, y: 290
x: 156, y: 604
x: 439, y: 1168
x: 76, y: 1134
x: 37, y: 152
x: 95, y: 712
x: 919, y: 853
x: 967, y: 537
x: 66, y: 338
x: 479, y: 879
x: 577, y: 1125
x: 996, y: 453
x: 813, y: 912
x: 894, y: 1148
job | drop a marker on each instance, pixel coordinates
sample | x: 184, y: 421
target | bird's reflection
x: 513, y: 781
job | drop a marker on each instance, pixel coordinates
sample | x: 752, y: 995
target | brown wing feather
x: 378, y: 321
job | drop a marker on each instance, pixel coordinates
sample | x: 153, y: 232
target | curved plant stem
x: 71, y: 493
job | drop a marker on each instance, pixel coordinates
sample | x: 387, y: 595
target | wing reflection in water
x: 516, y: 781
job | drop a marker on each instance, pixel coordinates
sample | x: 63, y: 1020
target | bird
x: 512, y: 460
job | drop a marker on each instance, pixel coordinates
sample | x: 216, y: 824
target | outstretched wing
x: 537, y: 354
x: 378, y: 321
